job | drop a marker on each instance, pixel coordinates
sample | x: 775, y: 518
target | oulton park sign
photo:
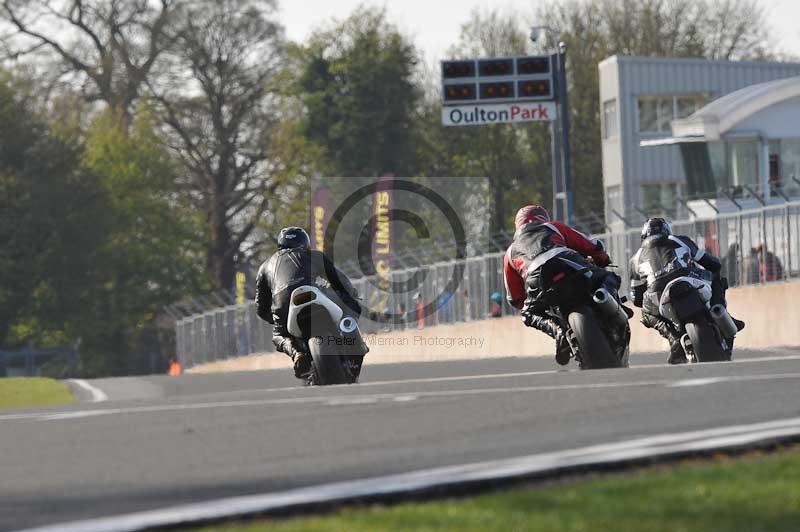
x: 479, y: 115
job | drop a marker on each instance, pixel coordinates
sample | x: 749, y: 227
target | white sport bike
x: 707, y: 331
x: 332, y: 336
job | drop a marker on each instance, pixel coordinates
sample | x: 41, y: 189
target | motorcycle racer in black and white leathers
x: 295, y: 264
x: 661, y: 258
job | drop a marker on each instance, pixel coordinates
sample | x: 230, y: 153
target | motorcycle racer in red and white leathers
x: 537, y: 240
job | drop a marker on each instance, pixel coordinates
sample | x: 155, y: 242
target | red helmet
x: 531, y: 214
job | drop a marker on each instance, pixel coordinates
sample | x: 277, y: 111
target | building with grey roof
x: 643, y: 171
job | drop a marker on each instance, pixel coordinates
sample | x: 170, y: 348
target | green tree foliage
x: 52, y: 215
x: 92, y: 241
x: 357, y: 85
x: 152, y: 253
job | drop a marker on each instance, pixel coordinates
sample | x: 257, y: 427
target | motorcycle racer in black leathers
x: 295, y: 264
x: 661, y: 258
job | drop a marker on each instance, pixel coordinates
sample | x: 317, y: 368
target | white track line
x: 665, y: 445
x: 510, y: 375
x: 355, y: 399
x: 97, y: 395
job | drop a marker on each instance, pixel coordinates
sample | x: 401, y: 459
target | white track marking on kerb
x: 659, y: 446
x: 361, y: 399
x: 696, y: 382
x: 97, y: 395
x: 510, y: 375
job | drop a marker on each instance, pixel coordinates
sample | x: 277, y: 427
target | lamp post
x: 562, y: 171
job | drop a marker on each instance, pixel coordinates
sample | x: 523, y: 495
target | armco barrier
x: 771, y: 312
x: 236, y: 331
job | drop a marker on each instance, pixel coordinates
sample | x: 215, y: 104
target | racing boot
x: 552, y: 329
x: 677, y: 355
x: 300, y: 357
x: 563, y: 349
x: 302, y: 364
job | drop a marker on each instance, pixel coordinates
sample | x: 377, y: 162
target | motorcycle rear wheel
x: 326, y: 366
x: 596, y: 353
x: 705, y: 343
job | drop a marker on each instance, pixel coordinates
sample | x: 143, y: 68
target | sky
x: 435, y: 24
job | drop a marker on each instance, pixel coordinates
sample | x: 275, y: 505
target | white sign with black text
x: 479, y: 115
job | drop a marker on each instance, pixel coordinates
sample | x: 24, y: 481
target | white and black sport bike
x: 333, y: 337
x: 707, y: 331
x: 674, y: 281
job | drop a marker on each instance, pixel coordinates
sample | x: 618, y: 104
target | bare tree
x: 722, y: 29
x: 221, y: 121
x: 107, y: 47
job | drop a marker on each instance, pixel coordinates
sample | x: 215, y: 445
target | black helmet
x: 293, y: 237
x: 656, y: 226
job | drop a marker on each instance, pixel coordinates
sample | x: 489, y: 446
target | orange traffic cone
x: 174, y: 368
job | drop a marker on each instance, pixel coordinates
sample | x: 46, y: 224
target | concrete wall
x: 772, y: 314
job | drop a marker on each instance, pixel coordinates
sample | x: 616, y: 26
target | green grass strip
x: 754, y: 494
x: 23, y: 392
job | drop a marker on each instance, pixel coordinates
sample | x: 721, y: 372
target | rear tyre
x: 327, y: 366
x: 705, y: 343
x: 596, y: 353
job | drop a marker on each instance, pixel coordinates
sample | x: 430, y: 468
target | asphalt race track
x: 161, y: 441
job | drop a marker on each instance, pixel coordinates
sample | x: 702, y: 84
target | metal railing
x: 755, y: 246
x: 57, y: 363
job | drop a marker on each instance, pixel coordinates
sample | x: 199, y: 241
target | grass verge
x: 756, y: 493
x: 22, y: 392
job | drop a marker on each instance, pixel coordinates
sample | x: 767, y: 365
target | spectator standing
x: 420, y: 305
x: 402, y: 316
x: 752, y: 267
x: 445, y: 305
x: 769, y: 265
x: 496, y: 305
x: 730, y: 264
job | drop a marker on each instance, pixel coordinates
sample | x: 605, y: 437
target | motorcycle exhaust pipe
x: 609, y: 305
x: 347, y: 325
x: 349, y: 328
x: 724, y: 321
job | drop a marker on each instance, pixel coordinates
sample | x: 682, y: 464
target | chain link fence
x: 755, y: 246
x: 56, y: 363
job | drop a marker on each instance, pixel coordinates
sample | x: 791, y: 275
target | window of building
x: 656, y: 112
x: 610, y: 125
x: 660, y: 199
x: 648, y: 115
x: 744, y: 165
x: 730, y: 166
x: 689, y: 104
x: 790, y: 165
